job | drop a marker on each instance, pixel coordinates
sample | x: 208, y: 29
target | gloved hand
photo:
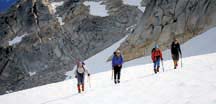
x: 88, y: 74
x: 162, y: 59
x: 75, y: 76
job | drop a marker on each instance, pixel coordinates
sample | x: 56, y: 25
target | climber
x: 117, y: 62
x: 156, y: 57
x: 80, y: 72
x: 175, y: 51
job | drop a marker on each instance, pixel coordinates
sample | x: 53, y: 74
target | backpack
x: 153, y: 49
x: 82, y: 67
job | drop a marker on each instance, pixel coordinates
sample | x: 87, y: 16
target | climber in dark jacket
x: 175, y: 51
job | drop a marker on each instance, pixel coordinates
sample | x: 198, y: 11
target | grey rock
x: 165, y: 19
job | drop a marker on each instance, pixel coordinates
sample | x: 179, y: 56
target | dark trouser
x: 117, y: 73
x: 175, y: 58
x: 156, y: 65
x: 80, y: 79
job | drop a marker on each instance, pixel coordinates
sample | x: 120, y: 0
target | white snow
x: 16, y: 40
x: 32, y: 73
x: 134, y: 3
x: 193, y: 84
x: 97, y: 8
x: 55, y: 5
x: 60, y: 20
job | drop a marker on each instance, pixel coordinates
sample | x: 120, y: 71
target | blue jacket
x: 117, y: 60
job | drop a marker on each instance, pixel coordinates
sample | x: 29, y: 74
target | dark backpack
x: 153, y: 49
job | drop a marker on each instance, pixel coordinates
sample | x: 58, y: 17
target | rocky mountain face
x: 53, y: 39
x: 165, y: 19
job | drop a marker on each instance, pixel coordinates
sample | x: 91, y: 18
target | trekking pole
x: 89, y: 80
x: 162, y: 66
x: 112, y: 75
x: 181, y: 62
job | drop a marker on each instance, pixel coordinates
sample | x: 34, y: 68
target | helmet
x: 156, y: 46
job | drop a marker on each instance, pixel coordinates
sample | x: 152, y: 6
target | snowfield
x: 194, y: 83
x: 97, y: 8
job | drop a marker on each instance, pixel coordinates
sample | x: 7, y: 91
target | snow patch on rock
x: 55, y: 5
x: 32, y: 73
x: 134, y: 3
x: 16, y: 40
x: 97, y: 8
x: 60, y: 20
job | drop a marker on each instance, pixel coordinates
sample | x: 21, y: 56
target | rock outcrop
x: 165, y: 19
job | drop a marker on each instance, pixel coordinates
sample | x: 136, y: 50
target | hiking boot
x: 158, y: 69
x: 155, y: 71
x: 175, y: 66
x: 118, y: 81
x: 83, y: 87
x: 78, y: 88
x: 115, y: 82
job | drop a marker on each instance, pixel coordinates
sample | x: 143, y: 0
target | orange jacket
x: 156, y: 53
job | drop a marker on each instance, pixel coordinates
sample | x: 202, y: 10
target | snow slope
x: 193, y: 84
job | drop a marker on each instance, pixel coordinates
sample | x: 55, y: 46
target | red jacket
x: 156, y: 53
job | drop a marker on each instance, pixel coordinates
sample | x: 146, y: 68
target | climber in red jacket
x: 156, y: 57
